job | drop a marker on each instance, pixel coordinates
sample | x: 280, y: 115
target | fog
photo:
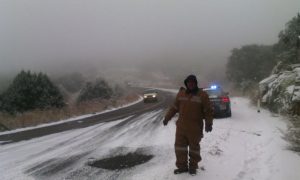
x: 113, y: 38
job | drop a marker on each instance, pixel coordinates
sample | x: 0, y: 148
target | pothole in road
x: 121, y: 161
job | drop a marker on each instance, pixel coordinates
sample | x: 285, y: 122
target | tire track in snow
x: 128, y: 128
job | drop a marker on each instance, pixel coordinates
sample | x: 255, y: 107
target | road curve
x: 165, y: 98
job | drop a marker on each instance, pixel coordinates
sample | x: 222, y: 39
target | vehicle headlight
x: 153, y: 95
x: 145, y: 96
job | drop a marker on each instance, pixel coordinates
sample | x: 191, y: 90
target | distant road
x: 165, y: 98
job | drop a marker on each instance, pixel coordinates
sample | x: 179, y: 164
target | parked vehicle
x: 220, y: 101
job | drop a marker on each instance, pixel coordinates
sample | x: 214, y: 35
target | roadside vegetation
x: 272, y: 75
x: 94, y: 91
x: 32, y: 99
x: 248, y: 65
x: 30, y: 91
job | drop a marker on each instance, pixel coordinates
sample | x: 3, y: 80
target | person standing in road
x: 193, y: 105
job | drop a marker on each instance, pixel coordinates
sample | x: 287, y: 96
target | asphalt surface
x: 165, y: 99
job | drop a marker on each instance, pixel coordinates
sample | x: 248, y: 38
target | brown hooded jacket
x: 192, y: 109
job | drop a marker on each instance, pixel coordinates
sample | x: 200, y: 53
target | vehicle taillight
x: 225, y: 99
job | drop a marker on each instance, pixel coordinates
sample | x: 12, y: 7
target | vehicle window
x: 149, y: 91
x: 213, y: 92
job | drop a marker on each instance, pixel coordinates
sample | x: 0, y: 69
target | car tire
x: 228, y: 114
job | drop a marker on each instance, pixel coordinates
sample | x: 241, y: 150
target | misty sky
x: 35, y: 33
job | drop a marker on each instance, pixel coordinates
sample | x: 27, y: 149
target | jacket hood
x: 191, y: 78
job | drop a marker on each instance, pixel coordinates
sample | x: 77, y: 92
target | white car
x: 150, y: 96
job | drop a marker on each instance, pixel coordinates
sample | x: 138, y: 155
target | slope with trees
x: 250, y: 64
x: 30, y: 91
x: 274, y: 69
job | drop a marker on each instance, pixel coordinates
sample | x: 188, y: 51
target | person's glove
x: 208, y: 127
x: 165, y: 122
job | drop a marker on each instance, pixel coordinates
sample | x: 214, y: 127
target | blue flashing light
x: 213, y: 87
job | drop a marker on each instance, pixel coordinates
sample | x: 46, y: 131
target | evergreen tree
x: 250, y: 64
x: 97, y: 90
x: 30, y: 91
x: 288, y: 43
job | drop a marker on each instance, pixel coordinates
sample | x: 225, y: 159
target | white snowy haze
x: 173, y: 37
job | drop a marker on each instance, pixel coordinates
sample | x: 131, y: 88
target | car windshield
x: 149, y: 91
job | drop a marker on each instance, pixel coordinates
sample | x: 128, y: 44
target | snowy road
x: 135, y: 108
x: 247, y: 146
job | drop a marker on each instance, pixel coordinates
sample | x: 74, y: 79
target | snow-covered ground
x: 247, y: 146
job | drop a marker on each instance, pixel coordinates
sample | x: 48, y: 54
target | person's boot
x: 181, y: 170
x: 192, y: 172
